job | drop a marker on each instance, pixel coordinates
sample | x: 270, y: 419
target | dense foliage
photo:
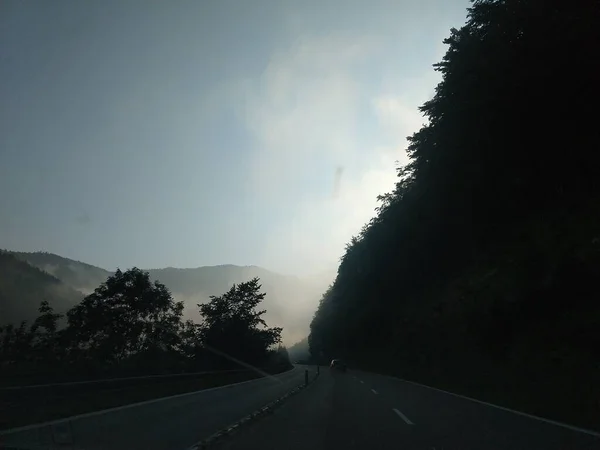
x: 125, y: 316
x: 477, y: 273
x: 234, y: 326
x: 130, y: 325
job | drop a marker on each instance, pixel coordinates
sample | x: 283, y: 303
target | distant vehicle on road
x: 338, y: 364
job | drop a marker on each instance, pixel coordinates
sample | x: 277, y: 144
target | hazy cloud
x: 200, y: 133
x: 308, y: 113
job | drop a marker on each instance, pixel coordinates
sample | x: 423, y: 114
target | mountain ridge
x: 23, y: 287
x: 290, y: 300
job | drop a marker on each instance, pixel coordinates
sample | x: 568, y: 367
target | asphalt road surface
x: 359, y: 410
x: 173, y: 424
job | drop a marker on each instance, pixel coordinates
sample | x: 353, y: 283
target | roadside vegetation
x: 131, y: 326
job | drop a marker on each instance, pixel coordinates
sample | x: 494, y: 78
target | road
x: 360, y: 410
x: 354, y: 410
x: 172, y: 424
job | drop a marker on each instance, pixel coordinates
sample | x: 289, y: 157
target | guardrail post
x: 305, y: 377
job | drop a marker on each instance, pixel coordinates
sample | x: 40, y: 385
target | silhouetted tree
x: 233, y: 326
x: 130, y: 324
x: 45, y: 334
x: 126, y: 315
x: 16, y: 343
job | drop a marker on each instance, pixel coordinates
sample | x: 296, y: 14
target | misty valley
x: 28, y: 278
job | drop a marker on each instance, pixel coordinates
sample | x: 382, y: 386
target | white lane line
x: 403, y: 417
x: 362, y: 381
x: 374, y: 391
x: 513, y: 411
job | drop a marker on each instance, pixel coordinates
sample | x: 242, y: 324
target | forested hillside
x: 23, y: 287
x: 478, y: 272
x: 79, y: 275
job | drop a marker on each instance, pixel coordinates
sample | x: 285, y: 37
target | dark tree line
x: 478, y: 271
x: 130, y: 325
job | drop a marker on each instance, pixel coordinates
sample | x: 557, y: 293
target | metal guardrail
x: 117, y: 380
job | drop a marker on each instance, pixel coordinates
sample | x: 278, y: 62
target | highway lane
x: 446, y: 421
x: 175, y: 423
x: 364, y: 410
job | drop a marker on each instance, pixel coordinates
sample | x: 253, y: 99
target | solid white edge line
x: 130, y: 405
x: 374, y: 391
x: 402, y: 416
x: 530, y: 416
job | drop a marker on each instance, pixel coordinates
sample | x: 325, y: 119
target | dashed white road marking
x: 374, y: 391
x: 530, y: 416
x: 403, y: 417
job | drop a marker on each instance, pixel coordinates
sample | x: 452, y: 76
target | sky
x: 187, y: 133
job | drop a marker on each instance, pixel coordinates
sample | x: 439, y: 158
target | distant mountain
x: 290, y: 301
x: 80, y: 276
x: 23, y: 287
